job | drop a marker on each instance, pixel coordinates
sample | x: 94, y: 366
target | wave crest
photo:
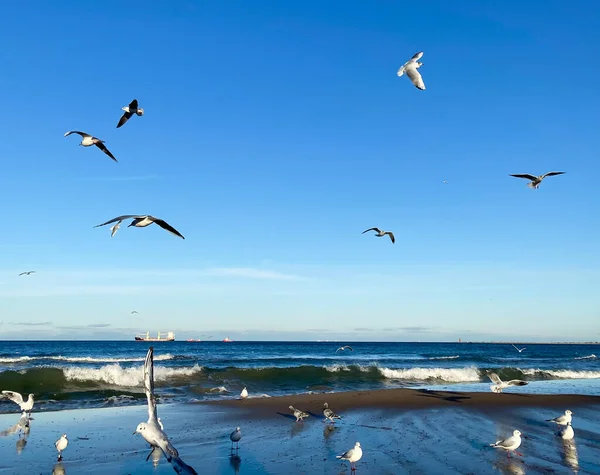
x: 453, y: 375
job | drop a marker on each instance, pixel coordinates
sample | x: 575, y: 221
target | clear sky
x: 275, y: 133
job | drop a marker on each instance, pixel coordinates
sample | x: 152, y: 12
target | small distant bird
x: 143, y: 220
x: 26, y: 406
x: 445, y: 182
x: 114, y: 229
x: 563, y: 420
x: 566, y: 433
x: 410, y: 68
x: 510, y: 444
x: 29, y: 272
x: 536, y: 180
x: 244, y: 393
x: 61, y: 444
x: 519, y: 349
x: 329, y: 414
x: 499, y: 385
x: 89, y: 140
x: 235, y: 436
x: 298, y: 414
x: 131, y: 109
x: 342, y: 348
x: 381, y: 233
x: 353, y: 455
x: 135, y: 311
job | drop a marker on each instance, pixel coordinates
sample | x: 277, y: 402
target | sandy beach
x: 401, y: 432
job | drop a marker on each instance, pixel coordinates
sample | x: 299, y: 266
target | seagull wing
x: 83, y: 134
x: 135, y: 311
x: 416, y: 78
x: 119, y: 218
x: 102, y: 147
x: 167, y: 226
x: 515, y: 347
x: 526, y: 175
x: 22, y: 273
x: 371, y: 229
x: 350, y: 348
x: 391, y: 235
x: 173, y: 458
x: 495, y: 378
x: 14, y: 397
x: 417, y: 56
x: 346, y: 455
x: 133, y: 104
x: 553, y: 174
x: 124, y: 118
x: 149, y: 385
x: 509, y: 442
x: 517, y: 382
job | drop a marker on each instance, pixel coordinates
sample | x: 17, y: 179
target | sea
x: 91, y: 374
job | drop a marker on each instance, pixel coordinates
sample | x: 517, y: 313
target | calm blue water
x: 97, y: 374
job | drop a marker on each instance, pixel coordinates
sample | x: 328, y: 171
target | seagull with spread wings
x: 410, y: 68
x: 26, y: 406
x: 499, y: 385
x: 29, y: 272
x: 130, y: 110
x: 88, y: 140
x: 519, y: 349
x: 380, y: 233
x: 535, y: 181
x: 343, y: 348
x: 143, y: 220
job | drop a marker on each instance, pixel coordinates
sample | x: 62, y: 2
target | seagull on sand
x: 298, y: 414
x: 381, y: 233
x: 410, y: 68
x: 29, y: 272
x: 244, y: 393
x: 61, y: 444
x: 567, y: 432
x: 342, y: 348
x: 143, y: 220
x: 353, y: 455
x: 519, y: 349
x: 499, y: 385
x: 26, y: 406
x: 151, y: 431
x: 563, y: 420
x: 235, y: 436
x: 89, y: 140
x: 131, y: 109
x: 329, y: 414
x: 114, y: 228
x: 510, y: 444
x: 536, y: 180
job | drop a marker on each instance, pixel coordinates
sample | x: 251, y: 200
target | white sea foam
x: 562, y: 373
x: 336, y: 368
x: 453, y: 375
x: 444, y: 357
x: 82, y: 359
x: 588, y: 357
x: 220, y: 389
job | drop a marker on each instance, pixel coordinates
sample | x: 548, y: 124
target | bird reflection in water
x: 569, y: 455
x: 510, y: 466
x: 58, y: 469
x: 235, y: 462
x: 155, y: 455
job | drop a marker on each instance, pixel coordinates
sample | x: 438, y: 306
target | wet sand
x: 401, y: 432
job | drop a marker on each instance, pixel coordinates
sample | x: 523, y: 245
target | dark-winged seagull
x: 131, y: 109
x: 410, y: 68
x: 26, y: 406
x: 29, y: 272
x: 536, y: 180
x: 381, y: 233
x: 499, y: 385
x: 89, y: 140
x: 135, y: 311
x: 143, y: 220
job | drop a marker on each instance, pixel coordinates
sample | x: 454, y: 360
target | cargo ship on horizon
x: 146, y: 337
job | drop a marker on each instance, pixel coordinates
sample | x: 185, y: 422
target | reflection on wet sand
x: 235, y: 462
x: 510, y: 466
x: 155, y: 455
x: 569, y: 455
x: 58, y: 469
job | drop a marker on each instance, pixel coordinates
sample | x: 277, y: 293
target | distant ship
x: 227, y: 340
x: 146, y: 337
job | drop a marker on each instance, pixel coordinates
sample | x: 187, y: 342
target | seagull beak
x: 134, y: 432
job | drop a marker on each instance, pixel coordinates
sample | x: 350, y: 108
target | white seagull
x: 131, y: 109
x: 235, y: 436
x: 298, y: 414
x: 26, y: 406
x: 519, y: 349
x: 342, y: 348
x: 381, y: 233
x: 536, y: 180
x: 566, y: 433
x: 353, y: 455
x: 329, y: 414
x: 151, y: 431
x: 61, y: 444
x: 143, y: 220
x: 563, y: 420
x: 410, y: 68
x: 499, y: 385
x: 29, y: 272
x: 114, y: 228
x: 510, y: 444
x: 89, y: 140
x: 244, y: 393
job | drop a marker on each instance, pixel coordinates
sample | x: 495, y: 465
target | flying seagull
x: 511, y: 443
x: 115, y: 228
x: 520, y: 349
x: 342, y: 348
x: 381, y: 233
x: 88, y: 140
x: 410, y: 68
x: 353, y: 455
x: 536, y: 180
x: 29, y: 272
x: 298, y: 414
x: 61, y: 444
x: 131, y: 109
x: 563, y: 420
x: 135, y: 311
x: 329, y: 414
x: 151, y: 431
x: 26, y: 406
x: 143, y: 220
x: 499, y: 385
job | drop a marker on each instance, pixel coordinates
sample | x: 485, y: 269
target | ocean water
x: 77, y: 374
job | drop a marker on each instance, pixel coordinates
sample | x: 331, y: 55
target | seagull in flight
x: 512, y: 443
x: 342, y: 348
x: 131, y: 109
x: 519, y: 349
x: 135, y: 311
x: 410, y: 68
x: 89, y: 140
x: 536, y: 180
x: 29, y: 272
x: 563, y: 420
x: 26, y: 406
x: 143, y: 220
x: 115, y: 228
x: 499, y: 385
x: 151, y: 431
x: 381, y: 233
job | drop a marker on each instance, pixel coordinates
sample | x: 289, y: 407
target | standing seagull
x: 510, y: 444
x: 89, y: 140
x: 131, y: 109
x: 353, y: 455
x: 235, y: 436
x: 298, y: 414
x: 381, y: 233
x: 244, y: 393
x: 536, y: 180
x: 342, y: 348
x: 143, y: 220
x: 410, y: 68
x: 26, y: 406
x: 329, y: 414
x: 151, y: 431
x: 563, y: 420
x: 61, y: 444
x: 499, y: 385
x: 29, y: 272
x: 519, y: 349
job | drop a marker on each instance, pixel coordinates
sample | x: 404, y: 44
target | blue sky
x: 274, y: 134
